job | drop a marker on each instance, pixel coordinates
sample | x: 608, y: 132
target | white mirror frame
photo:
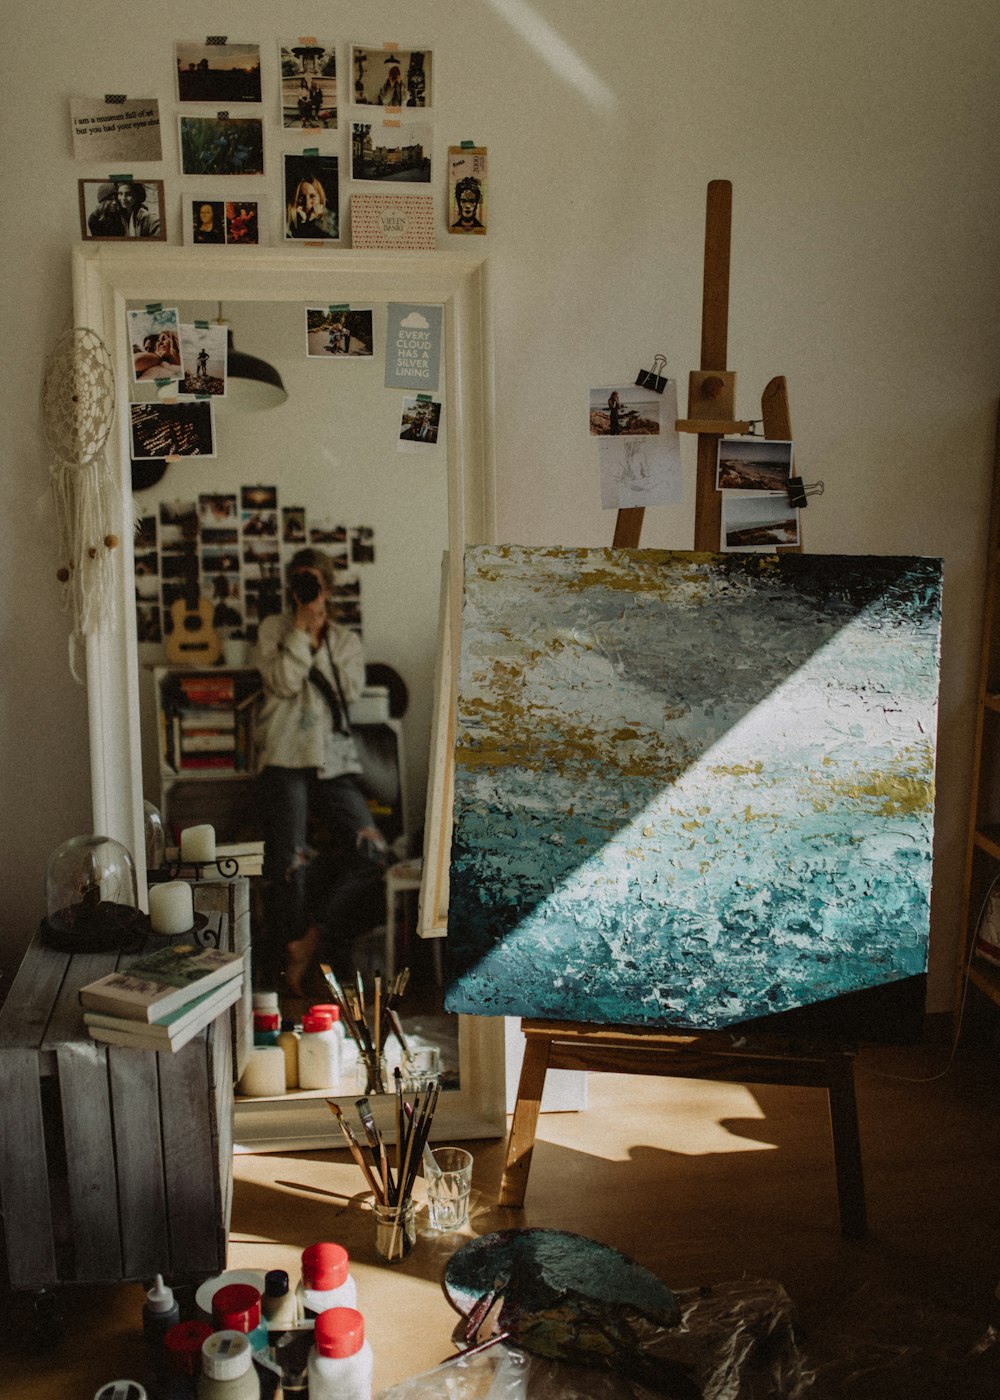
x: 106, y: 277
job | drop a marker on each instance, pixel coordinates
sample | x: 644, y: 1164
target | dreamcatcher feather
x: 78, y: 410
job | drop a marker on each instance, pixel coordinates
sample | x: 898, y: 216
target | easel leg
x: 847, y: 1150
x: 524, y: 1124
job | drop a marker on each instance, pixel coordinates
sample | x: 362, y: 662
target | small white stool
x: 405, y: 875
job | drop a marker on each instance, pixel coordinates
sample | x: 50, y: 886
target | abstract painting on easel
x: 690, y: 789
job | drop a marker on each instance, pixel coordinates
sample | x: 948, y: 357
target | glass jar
x: 395, y: 1230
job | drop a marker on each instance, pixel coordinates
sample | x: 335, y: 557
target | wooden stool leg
x: 847, y: 1150
x: 524, y: 1124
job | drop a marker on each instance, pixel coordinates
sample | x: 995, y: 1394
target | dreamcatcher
x: 78, y: 409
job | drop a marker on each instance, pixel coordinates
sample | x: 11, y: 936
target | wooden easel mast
x: 712, y: 388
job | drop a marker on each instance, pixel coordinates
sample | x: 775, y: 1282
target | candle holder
x: 228, y: 867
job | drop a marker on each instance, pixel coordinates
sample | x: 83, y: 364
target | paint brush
x: 355, y: 1149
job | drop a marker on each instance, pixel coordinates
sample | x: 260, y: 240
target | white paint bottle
x: 319, y: 1052
x: 341, y: 1365
x: 227, y: 1369
x: 326, y: 1281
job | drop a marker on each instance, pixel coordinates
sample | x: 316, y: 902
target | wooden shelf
x: 987, y: 839
x: 982, y: 859
x: 986, y: 978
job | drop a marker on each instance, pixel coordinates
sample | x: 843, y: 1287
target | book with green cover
x: 159, y: 982
x: 167, y: 1028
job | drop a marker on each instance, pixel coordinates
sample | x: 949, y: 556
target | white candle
x: 198, y: 845
x: 171, y: 907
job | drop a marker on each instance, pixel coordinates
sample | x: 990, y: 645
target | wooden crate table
x: 115, y: 1163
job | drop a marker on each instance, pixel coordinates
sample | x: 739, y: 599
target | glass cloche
x: 156, y: 836
x: 91, y: 897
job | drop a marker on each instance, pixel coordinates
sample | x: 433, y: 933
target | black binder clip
x: 798, y: 493
x: 652, y: 378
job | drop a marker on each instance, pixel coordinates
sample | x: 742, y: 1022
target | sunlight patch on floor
x: 692, y: 1118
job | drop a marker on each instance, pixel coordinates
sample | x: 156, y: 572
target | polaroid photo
x: 147, y: 564
x: 243, y: 222
x: 260, y: 557
x: 339, y: 332
x: 154, y: 335
x: 309, y: 84
x: 220, y: 561
x: 324, y: 531
x: 362, y: 545
x: 259, y: 524
x: 221, y: 145
x: 387, y: 77
x: 122, y: 210
x: 753, y: 464
x: 206, y: 221
x: 643, y: 469
x: 178, y: 526
x: 625, y: 409
x: 147, y: 588
x: 400, y: 152
x: 148, y: 627
x: 346, y: 612
x: 420, y: 423
x: 204, y: 357
x: 312, y: 197
x: 757, y: 521
x: 293, y: 525
x: 466, y: 189
x: 227, y: 606
x: 217, y: 512
x: 253, y: 498
x: 217, y: 73
x: 182, y: 429
x: 103, y: 130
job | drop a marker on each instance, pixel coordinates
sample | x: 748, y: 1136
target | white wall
x: 861, y: 143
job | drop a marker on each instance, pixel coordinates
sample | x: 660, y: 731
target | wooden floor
x: 705, y: 1184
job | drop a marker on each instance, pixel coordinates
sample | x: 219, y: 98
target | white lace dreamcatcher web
x: 78, y: 409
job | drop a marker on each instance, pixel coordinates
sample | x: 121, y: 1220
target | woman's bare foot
x: 299, y: 958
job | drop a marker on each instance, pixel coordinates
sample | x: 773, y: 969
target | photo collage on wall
x: 222, y: 95
x: 215, y: 564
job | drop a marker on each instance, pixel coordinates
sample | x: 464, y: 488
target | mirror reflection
x: 287, y: 594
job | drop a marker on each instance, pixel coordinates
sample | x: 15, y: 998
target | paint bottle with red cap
x: 326, y: 1281
x: 319, y: 1051
x: 341, y: 1365
x: 237, y: 1308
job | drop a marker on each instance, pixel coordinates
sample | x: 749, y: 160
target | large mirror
x: 332, y: 449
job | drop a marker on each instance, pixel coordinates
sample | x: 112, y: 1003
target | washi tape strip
x: 216, y: 38
x: 468, y: 145
x: 153, y: 306
x: 120, y: 179
x: 310, y: 150
x: 115, y: 99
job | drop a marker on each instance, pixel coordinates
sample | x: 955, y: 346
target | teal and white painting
x: 690, y: 789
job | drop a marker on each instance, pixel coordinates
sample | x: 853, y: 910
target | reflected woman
x: 308, y: 772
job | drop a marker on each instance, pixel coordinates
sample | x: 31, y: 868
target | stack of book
x: 163, y: 999
x: 206, y: 725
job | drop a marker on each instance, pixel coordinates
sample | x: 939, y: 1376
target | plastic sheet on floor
x: 741, y: 1341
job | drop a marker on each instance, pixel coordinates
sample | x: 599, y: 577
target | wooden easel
x: 760, y: 1059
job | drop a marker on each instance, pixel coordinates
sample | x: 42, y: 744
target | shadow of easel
x: 725, y: 1056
